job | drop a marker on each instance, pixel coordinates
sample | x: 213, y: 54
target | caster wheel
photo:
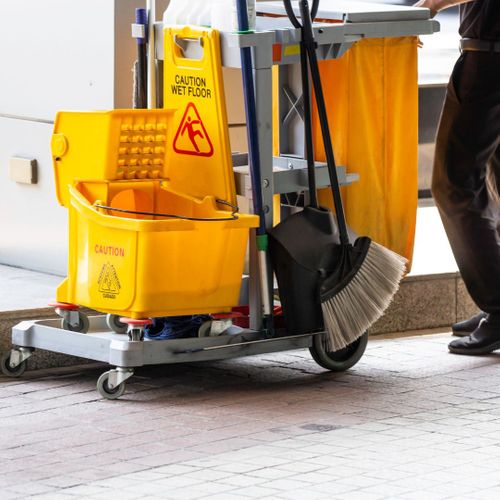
x: 204, y: 330
x: 135, y: 328
x: 338, y: 361
x: 8, y: 370
x: 114, y: 323
x: 105, y: 391
x: 82, y: 327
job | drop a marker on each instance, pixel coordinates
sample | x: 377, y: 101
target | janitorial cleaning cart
x: 152, y: 194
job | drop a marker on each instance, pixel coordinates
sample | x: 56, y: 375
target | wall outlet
x: 23, y: 170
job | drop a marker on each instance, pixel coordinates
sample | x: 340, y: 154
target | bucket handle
x: 233, y: 216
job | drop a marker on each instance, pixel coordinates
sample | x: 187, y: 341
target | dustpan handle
x: 291, y: 14
x: 308, y: 136
x: 310, y: 44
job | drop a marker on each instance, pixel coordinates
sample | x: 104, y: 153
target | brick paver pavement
x: 410, y: 421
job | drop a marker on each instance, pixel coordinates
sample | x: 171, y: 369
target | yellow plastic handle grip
x: 175, y: 53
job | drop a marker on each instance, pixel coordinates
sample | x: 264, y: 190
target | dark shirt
x: 480, y: 19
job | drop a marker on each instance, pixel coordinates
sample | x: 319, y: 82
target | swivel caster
x: 135, y: 328
x: 111, y: 384
x: 13, y: 363
x: 72, y: 319
x: 113, y: 322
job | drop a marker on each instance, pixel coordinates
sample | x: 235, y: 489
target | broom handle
x: 306, y: 96
x: 310, y: 44
x: 309, y: 147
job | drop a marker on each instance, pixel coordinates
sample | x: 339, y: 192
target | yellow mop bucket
x: 119, y: 172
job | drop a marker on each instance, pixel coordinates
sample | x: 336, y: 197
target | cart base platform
x: 102, y: 344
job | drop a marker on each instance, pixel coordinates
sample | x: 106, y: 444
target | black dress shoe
x: 465, y: 328
x: 483, y: 340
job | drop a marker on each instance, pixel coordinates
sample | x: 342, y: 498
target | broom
x: 367, y: 275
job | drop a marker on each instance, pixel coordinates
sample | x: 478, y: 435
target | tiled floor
x: 410, y: 421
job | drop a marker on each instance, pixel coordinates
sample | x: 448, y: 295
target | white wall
x: 55, y: 54
x: 33, y: 227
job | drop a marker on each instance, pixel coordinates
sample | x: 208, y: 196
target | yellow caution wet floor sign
x: 200, y: 148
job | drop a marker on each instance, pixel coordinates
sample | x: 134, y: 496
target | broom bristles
x: 349, y: 313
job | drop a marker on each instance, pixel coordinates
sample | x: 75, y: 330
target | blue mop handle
x: 252, y: 127
x: 141, y: 17
x: 141, y: 20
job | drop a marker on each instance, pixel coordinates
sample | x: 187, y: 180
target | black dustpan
x: 297, y: 245
x: 303, y: 251
x: 304, y: 247
x: 305, y: 254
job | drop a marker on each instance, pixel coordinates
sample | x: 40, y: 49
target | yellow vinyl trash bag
x: 371, y: 95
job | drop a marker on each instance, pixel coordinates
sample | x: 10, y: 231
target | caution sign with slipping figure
x: 192, y: 137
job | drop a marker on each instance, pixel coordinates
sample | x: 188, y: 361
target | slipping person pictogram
x: 192, y: 137
x: 189, y: 126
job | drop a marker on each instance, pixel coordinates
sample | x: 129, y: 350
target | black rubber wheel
x: 82, y: 327
x: 338, y: 361
x: 8, y: 370
x: 105, y: 391
x: 114, y: 323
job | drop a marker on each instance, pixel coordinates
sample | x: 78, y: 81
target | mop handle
x: 255, y: 168
x: 252, y: 126
x: 310, y: 44
x: 141, y: 19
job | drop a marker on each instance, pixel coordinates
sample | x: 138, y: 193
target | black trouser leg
x: 468, y: 140
x: 494, y: 178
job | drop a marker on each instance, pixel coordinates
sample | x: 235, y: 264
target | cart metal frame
x: 283, y: 174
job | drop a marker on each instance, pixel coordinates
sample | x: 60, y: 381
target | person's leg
x: 493, y: 180
x: 468, y: 139
x: 466, y: 327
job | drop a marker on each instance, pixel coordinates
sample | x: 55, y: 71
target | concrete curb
x: 423, y: 302
x: 40, y: 359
